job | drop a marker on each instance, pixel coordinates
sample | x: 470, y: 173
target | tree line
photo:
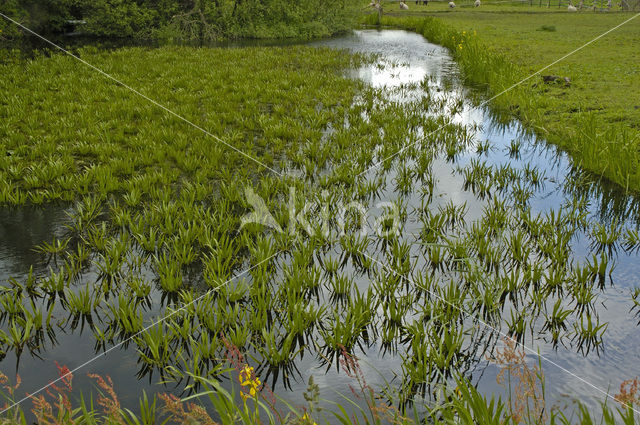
x: 180, y: 19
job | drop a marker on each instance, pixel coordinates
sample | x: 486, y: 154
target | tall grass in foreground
x: 609, y: 150
x: 250, y: 401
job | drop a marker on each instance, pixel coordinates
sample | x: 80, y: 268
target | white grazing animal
x: 571, y: 8
x: 477, y: 3
x: 403, y: 6
x: 452, y: 4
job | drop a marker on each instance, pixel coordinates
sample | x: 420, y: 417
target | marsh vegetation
x: 492, y: 233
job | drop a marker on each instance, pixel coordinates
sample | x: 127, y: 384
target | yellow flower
x: 307, y: 419
x: 245, y: 376
x: 247, y: 380
x: 458, y: 392
x: 464, y: 32
x: 460, y: 46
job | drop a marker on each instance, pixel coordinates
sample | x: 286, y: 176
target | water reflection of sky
x: 385, y: 78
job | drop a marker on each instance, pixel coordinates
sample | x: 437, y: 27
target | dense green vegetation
x: 155, y: 211
x: 181, y: 19
x: 108, y: 138
x: 595, y: 119
x: 156, y: 207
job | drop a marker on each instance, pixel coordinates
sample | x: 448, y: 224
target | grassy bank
x: 596, y: 119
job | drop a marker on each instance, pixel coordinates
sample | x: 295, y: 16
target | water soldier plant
x: 155, y: 226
